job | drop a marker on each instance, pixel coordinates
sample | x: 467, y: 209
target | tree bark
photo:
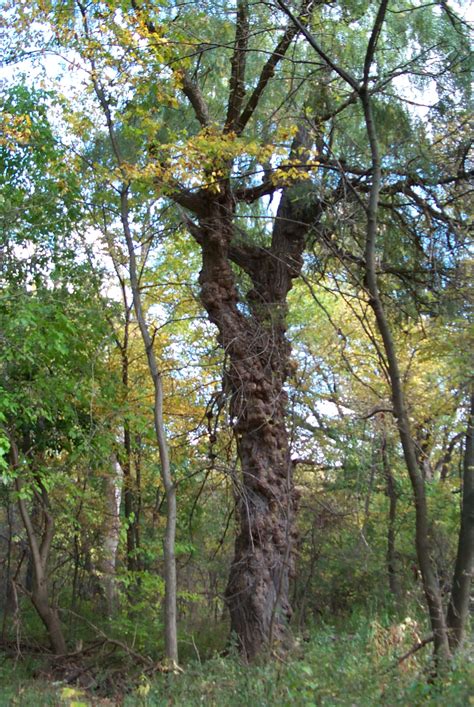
x: 110, y: 536
x: 48, y: 614
x: 129, y: 499
x: 458, y: 609
x: 138, y: 497
x: 125, y: 451
x: 9, y: 527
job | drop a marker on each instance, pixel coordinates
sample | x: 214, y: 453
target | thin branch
x: 418, y: 646
x: 267, y: 73
x: 348, y: 78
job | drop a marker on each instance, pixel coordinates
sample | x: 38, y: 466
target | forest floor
x: 356, y: 667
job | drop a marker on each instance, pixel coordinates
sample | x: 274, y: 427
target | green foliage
x: 39, y: 200
x: 332, y: 667
x: 18, y: 687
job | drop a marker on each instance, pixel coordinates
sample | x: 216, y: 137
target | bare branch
x: 297, y: 22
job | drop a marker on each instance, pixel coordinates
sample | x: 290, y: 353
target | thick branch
x: 237, y: 79
x: 250, y: 194
x: 266, y: 74
x: 247, y: 256
x: 197, y: 201
x: 193, y: 93
x: 372, y: 45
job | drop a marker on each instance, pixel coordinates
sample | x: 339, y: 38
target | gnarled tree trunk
x: 253, y: 336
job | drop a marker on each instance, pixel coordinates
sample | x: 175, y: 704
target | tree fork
x: 40, y: 549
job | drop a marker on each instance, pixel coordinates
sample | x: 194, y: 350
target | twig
x: 112, y: 641
x: 412, y: 651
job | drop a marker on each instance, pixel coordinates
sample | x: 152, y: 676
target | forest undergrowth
x: 361, y: 661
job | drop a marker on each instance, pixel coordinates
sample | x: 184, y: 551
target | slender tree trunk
x: 110, y: 536
x: 138, y: 497
x: 171, y: 635
x: 75, y: 575
x: 392, y: 564
x: 129, y: 499
x: 48, y: 614
x: 9, y: 530
x: 125, y: 451
x: 458, y: 609
x: 30, y: 566
x: 422, y: 440
x: 125, y: 457
x: 422, y: 539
